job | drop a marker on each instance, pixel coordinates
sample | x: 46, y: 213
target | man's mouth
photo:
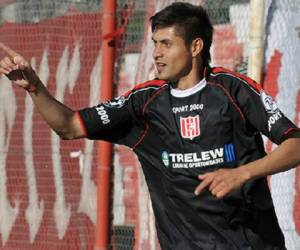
x: 160, y: 66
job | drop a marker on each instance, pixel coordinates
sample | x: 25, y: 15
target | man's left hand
x: 222, y: 181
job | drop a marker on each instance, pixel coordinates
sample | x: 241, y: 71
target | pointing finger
x: 8, y: 51
x: 205, y: 183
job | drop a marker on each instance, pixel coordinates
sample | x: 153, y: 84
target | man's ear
x: 196, y: 47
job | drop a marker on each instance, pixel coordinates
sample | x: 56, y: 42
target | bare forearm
x: 223, y: 181
x: 57, y: 115
x: 284, y: 157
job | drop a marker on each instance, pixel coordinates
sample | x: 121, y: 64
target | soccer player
x: 197, y: 133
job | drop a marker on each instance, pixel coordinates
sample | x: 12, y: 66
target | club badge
x: 190, y: 127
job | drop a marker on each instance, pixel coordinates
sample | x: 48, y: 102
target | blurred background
x: 48, y: 187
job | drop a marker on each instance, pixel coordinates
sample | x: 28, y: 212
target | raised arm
x: 63, y: 120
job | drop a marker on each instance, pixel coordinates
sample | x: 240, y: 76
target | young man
x: 196, y: 132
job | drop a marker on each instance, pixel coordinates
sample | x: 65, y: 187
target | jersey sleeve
x: 110, y: 121
x: 120, y: 120
x: 261, y: 110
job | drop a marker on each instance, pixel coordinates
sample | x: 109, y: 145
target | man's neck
x: 195, y: 75
x: 190, y: 80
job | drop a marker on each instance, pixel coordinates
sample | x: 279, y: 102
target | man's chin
x: 162, y: 77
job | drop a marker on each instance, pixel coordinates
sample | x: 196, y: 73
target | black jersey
x: 178, y: 135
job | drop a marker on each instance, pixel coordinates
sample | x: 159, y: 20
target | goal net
x: 48, y: 186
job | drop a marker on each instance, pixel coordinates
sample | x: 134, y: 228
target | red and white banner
x: 48, y: 187
x: 48, y: 190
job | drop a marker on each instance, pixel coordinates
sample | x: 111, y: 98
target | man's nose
x: 157, y: 52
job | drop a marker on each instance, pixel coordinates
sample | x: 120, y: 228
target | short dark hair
x: 190, y: 22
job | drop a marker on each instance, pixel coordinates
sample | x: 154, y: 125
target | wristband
x: 31, y: 88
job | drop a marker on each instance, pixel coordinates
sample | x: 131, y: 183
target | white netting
x: 282, y: 68
x: 48, y: 187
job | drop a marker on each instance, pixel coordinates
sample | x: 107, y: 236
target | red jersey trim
x: 256, y: 86
x: 81, y: 123
x: 150, y: 100
x: 147, y: 125
x: 144, y: 85
x: 290, y: 130
x: 142, y: 137
x: 229, y: 97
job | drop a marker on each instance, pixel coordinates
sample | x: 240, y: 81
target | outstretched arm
x: 223, y: 181
x: 59, y: 117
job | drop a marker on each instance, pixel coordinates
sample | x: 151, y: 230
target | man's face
x: 173, y: 60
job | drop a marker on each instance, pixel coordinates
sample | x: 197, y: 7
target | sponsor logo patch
x: 271, y: 108
x: 165, y: 158
x: 190, y: 127
x: 269, y: 104
x: 225, y: 154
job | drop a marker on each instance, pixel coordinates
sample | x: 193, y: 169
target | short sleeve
x: 120, y: 120
x: 110, y: 121
x: 261, y: 110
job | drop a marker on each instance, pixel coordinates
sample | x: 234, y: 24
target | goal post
x: 48, y: 186
x: 256, y: 39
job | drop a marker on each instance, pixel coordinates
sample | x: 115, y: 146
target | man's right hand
x: 17, y: 69
x: 63, y: 120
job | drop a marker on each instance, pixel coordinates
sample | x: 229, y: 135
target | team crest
x: 190, y: 127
